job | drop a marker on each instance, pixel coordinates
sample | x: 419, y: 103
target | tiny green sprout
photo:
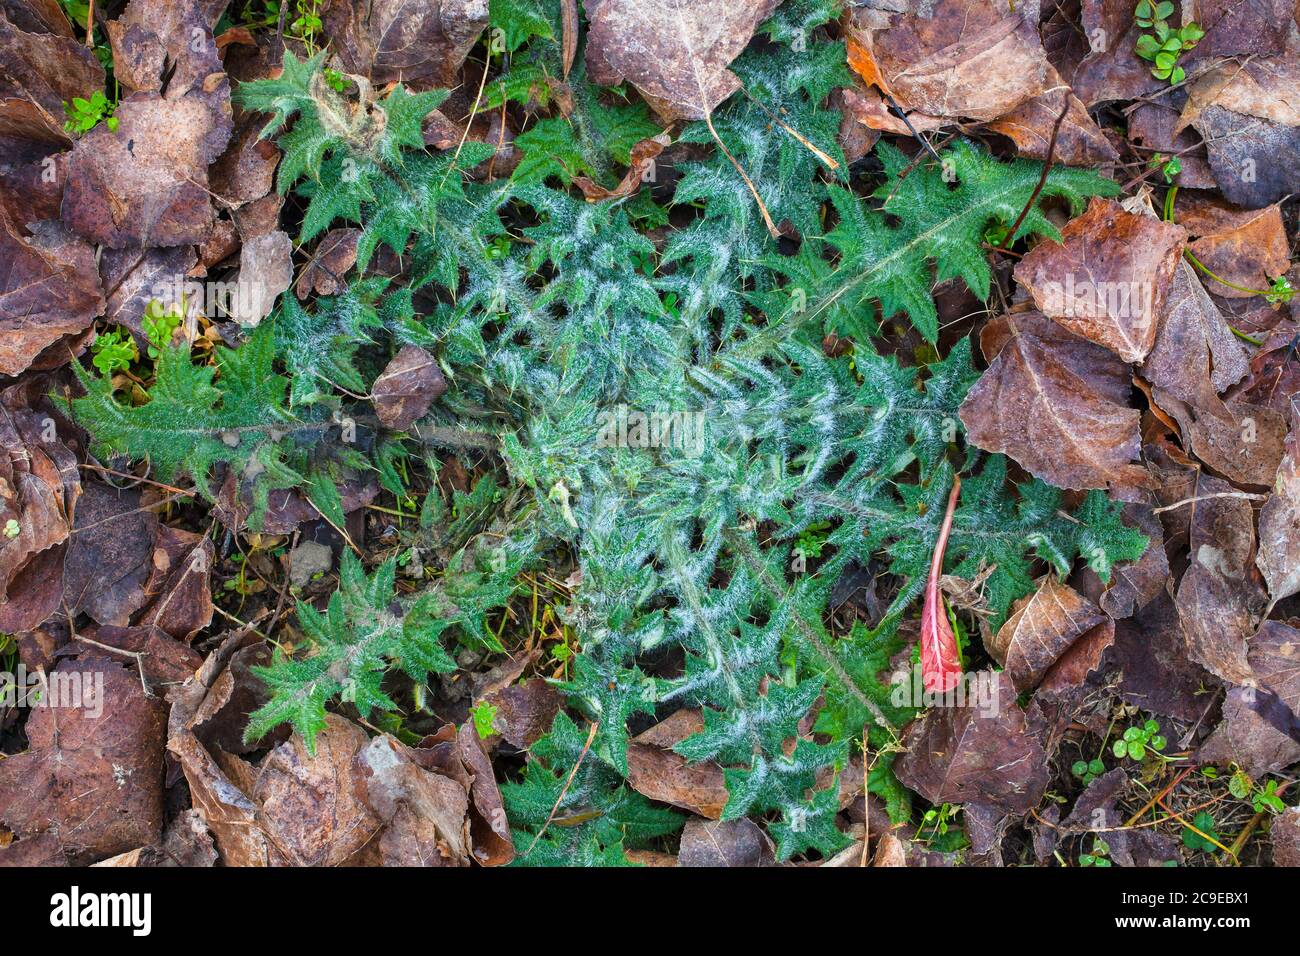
x: 12, y: 528
x: 113, y: 351
x: 1137, y: 742
x: 485, y: 716
x: 1280, y: 292
x: 1193, y: 840
x: 336, y: 80
x: 1267, y: 800
x: 160, y: 324
x: 1210, y: 773
x: 498, y: 248
x: 1098, y: 856
x: 1169, y: 166
x: 812, y: 540
x: 84, y: 114
x: 1088, y: 770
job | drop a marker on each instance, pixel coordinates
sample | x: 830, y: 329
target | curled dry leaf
x: 1248, y: 247
x: 1279, y: 522
x: 39, y: 487
x: 49, y: 290
x: 957, y: 58
x: 1218, y: 600
x: 1195, y: 356
x: 179, y: 590
x: 1056, y: 403
x: 675, y: 52
x: 421, y: 43
x: 940, y: 658
x: 1136, y: 584
x: 1079, y: 142
x: 407, y: 387
x: 1246, y: 737
x: 655, y: 771
x: 1041, y: 629
x: 976, y: 754
x: 1108, y: 277
x: 93, y: 774
x: 334, y: 255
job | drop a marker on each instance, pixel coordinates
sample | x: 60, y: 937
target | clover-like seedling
x: 113, y: 351
x: 1099, y: 856
x: 1194, y: 840
x: 1137, y: 742
x: 1164, y: 45
x: 1267, y: 800
x: 1088, y: 770
x: 84, y: 114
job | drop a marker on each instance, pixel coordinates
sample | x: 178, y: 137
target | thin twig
x: 1042, y: 180
x: 1218, y: 494
x: 591, y: 735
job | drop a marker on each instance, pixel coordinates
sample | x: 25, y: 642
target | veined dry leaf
x: 1244, y: 737
x: 655, y: 771
x: 725, y: 843
x: 145, y: 183
x: 1246, y: 247
x: 45, y: 69
x: 1108, y: 278
x: 968, y: 58
x: 1156, y: 674
x: 1242, y: 27
x: 1136, y: 584
x: 1241, y: 441
x: 407, y: 387
x: 93, y: 774
x: 1195, y: 356
x: 676, y: 52
x: 978, y: 754
x: 1279, y: 522
x: 265, y: 270
x: 109, y: 556
x: 49, y: 289
x: 1218, y: 600
x: 1056, y: 403
x: 335, y: 254
x: 1041, y: 628
x: 1079, y: 142
x: 421, y: 43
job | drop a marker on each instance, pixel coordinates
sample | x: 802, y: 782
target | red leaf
x: 940, y: 660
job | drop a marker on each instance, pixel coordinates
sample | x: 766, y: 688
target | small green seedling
x: 12, y: 528
x: 1088, y: 770
x: 85, y: 114
x: 812, y: 539
x: 1164, y: 45
x: 1193, y: 840
x: 160, y: 324
x: 1169, y: 166
x: 1280, y: 292
x: 114, y: 352
x: 1267, y: 800
x: 484, y: 715
x: 1099, y: 856
x: 1137, y: 742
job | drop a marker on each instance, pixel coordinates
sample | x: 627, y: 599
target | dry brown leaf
x: 1079, y: 141
x: 265, y: 270
x: 49, y: 290
x: 145, y: 183
x: 334, y: 255
x: 1279, y: 522
x: 407, y: 387
x: 93, y: 774
x: 1244, y: 737
x: 725, y: 843
x: 675, y: 52
x: 968, y: 58
x: 655, y: 771
x: 976, y: 754
x: 1195, y: 356
x: 1041, y: 628
x: 1285, y: 834
x: 1245, y: 247
x: 421, y: 43
x: 1218, y: 600
x: 1056, y: 403
x: 1243, y: 442
x: 1108, y: 278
